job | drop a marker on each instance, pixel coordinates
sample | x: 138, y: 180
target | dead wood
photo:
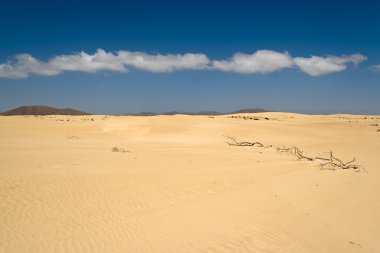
x: 328, y: 161
x: 235, y: 142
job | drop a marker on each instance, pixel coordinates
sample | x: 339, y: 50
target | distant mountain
x: 208, y: 113
x: 173, y: 113
x: 254, y: 110
x: 42, y: 110
x: 144, y: 114
x: 192, y: 113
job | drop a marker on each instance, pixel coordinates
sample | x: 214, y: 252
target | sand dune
x: 178, y: 187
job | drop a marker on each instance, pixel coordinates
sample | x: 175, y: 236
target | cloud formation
x: 24, y: 64
x: 375, y: 68
x: 317, y: 66
x: 262, y: 61
x: 164, y: 63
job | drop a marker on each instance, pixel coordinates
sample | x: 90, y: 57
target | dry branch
x: 296, y: 152
x: 333, y: 162
x: 235, y: 142
x: 325, y: 162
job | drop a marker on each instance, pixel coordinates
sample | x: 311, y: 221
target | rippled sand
x: 172, y: 184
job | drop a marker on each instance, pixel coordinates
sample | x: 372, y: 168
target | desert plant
x: 235, y: 142
x: 121, y: 150
x: 330, y: 161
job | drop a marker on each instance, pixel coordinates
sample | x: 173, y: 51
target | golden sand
x: 171, y: 184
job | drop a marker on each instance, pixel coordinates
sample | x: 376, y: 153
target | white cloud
x: 163, y: 63
x: 263, y: 61
x: 82, y: 61
x: 316, y: 65
x: 24, y: 64
x: 375, y: 68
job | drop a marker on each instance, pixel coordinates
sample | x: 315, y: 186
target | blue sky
x: 158, y: 56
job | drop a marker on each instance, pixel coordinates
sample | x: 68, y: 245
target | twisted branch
x: 325, y: 162
x: 235, y: 142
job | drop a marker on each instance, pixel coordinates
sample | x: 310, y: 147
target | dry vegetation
x: 248, y: 118
x: 327, y: 161
x: 235, y: 142
x: 120, y: 150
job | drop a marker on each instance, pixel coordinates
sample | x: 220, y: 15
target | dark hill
x: 254, y: 110
x: 42, y: 110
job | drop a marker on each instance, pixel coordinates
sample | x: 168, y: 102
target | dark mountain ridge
x: 211, y: 113
x: 42, y: 110
x: 47, y: 110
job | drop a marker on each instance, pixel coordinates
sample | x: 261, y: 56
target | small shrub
x: 121, y: 150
